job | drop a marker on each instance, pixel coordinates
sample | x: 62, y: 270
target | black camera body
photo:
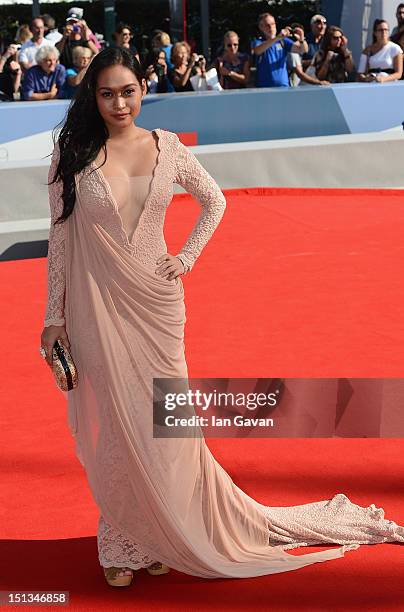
x: 159, y: 70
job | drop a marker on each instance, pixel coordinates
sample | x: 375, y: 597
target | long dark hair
x: 325, y: 44
x: 123, y: 26
x: 84, y: 132
x: 376, y: 24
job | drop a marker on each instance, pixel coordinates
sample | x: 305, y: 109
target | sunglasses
x: 232, y: 45
x: 318, y: 21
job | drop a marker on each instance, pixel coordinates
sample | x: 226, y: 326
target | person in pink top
x: 76, y: 12
x: 116, y: 298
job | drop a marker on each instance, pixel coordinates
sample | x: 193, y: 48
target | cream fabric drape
x: 126, y: 326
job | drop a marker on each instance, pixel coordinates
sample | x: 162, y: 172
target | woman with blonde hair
x: 233, y: 67
x: 166, y: 46
x: 82, y: 57
x: 185, y: 66
x: 23, y: 34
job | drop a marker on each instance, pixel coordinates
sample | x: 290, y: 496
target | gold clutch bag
x: 63, y: 367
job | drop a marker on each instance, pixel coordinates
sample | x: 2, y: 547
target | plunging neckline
x: 131, y: 243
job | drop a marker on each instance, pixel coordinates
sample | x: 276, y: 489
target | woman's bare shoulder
x: 368, y: 50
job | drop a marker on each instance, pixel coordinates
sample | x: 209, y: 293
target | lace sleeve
x: 56, y: 251
x: 191, y: 175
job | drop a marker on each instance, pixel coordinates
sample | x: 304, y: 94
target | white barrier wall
x: 367, y: 161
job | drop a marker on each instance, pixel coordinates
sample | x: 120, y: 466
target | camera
x: 76, y: 28
x: 159, y: 70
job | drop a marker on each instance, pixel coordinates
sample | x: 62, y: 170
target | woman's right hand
x: 370, y: 78
x: 67, y: 30
x: 223, y: 70
x: 15, y: 67
x: 10, y: 51
x: 149, y: 71
x: 48, y: 338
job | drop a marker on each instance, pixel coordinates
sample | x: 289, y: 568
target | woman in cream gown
x: 117, y: 299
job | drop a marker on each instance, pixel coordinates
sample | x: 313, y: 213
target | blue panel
x: 21, y: 119
x: 240, y: 116
x: 371, y: 107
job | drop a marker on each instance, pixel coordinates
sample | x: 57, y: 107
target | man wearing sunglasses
x: 318, y: 25
x: 272, y: 50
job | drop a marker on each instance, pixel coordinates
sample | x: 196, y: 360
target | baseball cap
x: 75, y: 14
x: 317, y: 18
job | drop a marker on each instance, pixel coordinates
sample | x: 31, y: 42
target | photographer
x: 10, y: 72
x: 75, y: 34
x: 333, y: 61
x: 271, y: 51
x: 157, y: 75
x: 185, y: 66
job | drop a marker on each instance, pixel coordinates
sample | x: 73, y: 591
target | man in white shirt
x: 27, y: 53
x: 52, y: 33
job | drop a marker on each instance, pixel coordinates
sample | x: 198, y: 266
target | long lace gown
x: 162, y: 499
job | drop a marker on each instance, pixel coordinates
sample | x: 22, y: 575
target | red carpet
x: 294, y: 283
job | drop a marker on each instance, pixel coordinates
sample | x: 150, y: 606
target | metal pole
x: 109, y: 20
x: 205, y: 28
x: 177, y: 20
x: 36, y: 10
x: 184, y: 19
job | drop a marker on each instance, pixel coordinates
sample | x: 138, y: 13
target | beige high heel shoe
x: 157, y: 568
x: 114, y: 579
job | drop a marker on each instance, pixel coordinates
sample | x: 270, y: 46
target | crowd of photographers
x: 43, y: 63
